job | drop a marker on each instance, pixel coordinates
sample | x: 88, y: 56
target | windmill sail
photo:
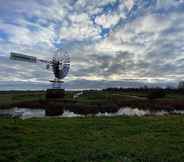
x: 22, y: 57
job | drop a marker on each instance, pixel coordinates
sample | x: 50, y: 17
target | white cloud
x: 156, y: 43
x: 79, y: 28
x: 52, y: 10
x: 151, y: 23
x: 107, y: 20
x: 147, y: 44
x: 168, y: 3
x: 22, y: 35
x: 129, y: 4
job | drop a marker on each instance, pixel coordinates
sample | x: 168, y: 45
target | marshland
x: 88, y: 136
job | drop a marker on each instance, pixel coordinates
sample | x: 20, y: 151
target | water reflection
x: 22, y: 113
x: 127, y: 111
x: 25, y: 113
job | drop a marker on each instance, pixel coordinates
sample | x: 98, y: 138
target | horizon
x: 90, y: 85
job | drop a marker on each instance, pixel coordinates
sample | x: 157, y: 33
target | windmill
x: 59, y: 64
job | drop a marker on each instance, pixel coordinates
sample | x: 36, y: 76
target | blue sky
x: 111, y: 42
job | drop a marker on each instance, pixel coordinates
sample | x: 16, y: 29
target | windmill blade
x: 22, y: 57
x: 26, y: 58
x: 43, y: 61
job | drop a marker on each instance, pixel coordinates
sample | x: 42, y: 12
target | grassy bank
x: 115, y: 139
x: 92, y: 102
x: 9, y: 99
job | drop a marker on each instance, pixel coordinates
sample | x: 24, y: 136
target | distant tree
x: 168, y: 87
x: 181, y: 85
x: 145, y: 87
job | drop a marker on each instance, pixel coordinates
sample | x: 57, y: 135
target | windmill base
x: 55, y: 93
x: 56, y: 84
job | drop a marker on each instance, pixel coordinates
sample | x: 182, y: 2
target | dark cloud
x: 105, y: 65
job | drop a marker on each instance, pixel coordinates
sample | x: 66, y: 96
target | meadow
x: 93, y: 139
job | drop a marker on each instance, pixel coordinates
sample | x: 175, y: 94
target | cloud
x: 22, y: 71
x: 50, y: 10
x: 154, y: 43
x: 79, y: 27
x: 107, y: 21
x: 109, y: 40
x: 22, y: 35
x: 129, y: 4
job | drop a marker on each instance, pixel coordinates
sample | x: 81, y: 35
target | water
x: 127, y: 111
x: 25, y: 113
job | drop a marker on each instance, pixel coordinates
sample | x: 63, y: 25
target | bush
x: 156, y: 94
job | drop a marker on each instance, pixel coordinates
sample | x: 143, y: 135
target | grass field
x: 115, y: 139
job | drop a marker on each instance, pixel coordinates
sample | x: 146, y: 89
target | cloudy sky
x: 111, y: 42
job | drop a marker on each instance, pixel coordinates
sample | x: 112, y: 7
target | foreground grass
x: 116, y: 139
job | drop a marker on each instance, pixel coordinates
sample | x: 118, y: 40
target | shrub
x: 156, y: 94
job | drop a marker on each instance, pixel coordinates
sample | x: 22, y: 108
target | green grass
x: 174, y: 96
x: 115, y: 139
x: 6, y: 99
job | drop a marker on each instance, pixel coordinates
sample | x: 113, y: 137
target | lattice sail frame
x: 60, y: 64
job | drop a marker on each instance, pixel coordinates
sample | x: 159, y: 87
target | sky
x: 112, y: 43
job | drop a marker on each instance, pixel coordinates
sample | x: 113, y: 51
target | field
x: 93, y: 139
x: 103, y: 139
